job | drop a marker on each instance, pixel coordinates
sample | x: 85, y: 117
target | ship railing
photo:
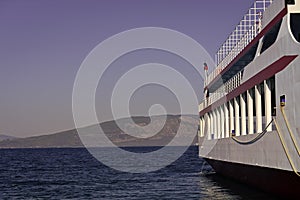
x: 244, y: 33
x: 222, y: 91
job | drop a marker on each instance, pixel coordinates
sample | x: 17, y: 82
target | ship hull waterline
x: 274, y: 181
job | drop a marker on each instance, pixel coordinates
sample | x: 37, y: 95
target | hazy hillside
x: 6, y: 137
x: 71, y: 138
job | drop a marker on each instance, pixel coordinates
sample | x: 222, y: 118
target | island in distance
x: 6, y: 137
x: 71, y: 139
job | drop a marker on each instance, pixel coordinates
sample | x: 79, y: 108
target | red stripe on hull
x: 266, y: 73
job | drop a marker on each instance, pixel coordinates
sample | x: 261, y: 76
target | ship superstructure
x: 250, y: 116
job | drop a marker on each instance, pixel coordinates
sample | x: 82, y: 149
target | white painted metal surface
x: 250, y: 112
x: 267, y: 151
x: 258, y: 109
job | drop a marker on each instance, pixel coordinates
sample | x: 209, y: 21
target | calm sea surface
x: 75, y: 174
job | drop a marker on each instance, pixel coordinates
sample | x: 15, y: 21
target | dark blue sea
x: 75, y: 174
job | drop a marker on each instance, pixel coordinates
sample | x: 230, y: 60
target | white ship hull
x: 258, y: 103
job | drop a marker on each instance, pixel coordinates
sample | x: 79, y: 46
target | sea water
x: 75, y: 174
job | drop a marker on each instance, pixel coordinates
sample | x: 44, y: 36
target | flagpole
x: 205, y: 72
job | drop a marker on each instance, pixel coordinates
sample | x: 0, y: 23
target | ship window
x: 270, y: 37
x: 295, y: 25
x: 290, y: 2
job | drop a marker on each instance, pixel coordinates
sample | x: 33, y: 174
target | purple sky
x: 42, y: 44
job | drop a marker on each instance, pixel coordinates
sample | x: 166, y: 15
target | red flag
x: 205, y: 67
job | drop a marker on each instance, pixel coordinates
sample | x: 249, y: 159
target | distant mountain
x: 6, y: 137
x: 71, y: 138
x: 63, y: 139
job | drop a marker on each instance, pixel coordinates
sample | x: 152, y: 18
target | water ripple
x: 74, y: 174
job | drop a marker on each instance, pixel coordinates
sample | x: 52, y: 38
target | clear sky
x: 43, y: 43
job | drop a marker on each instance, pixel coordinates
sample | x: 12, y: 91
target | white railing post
x: 268, y: 104
x: 237, y: 116
x: 203, y: 126
x: 222, y: 121
x: 208, y: 124
x: 258, y: 109
x: 215, y: 124
x: 243, y: 114
x: 218, y: 123
x: 231, y: 115
x: 226, y: 113
x: 250, y: 111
